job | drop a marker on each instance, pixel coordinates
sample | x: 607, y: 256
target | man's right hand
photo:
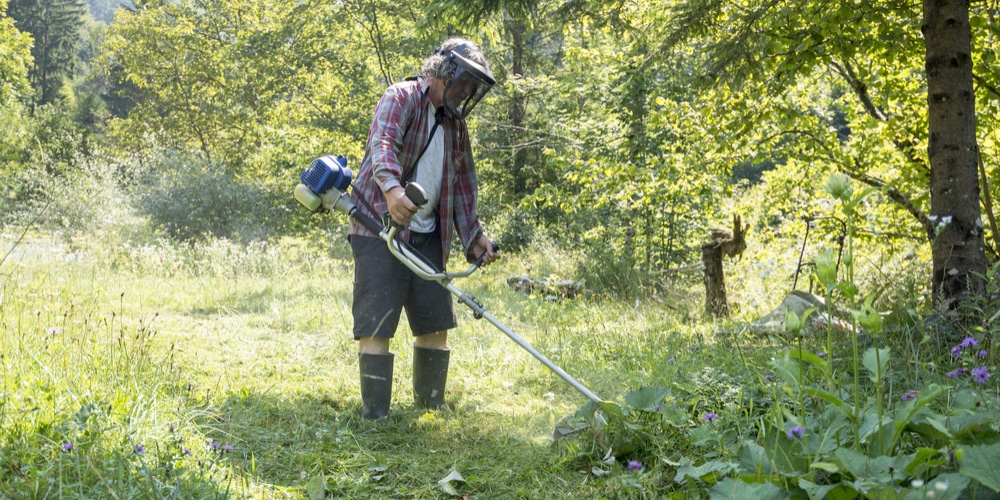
x: 401, y: 209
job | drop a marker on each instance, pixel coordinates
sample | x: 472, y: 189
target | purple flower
x: 795, y: 432
x: 956, y: 373
x: 212, y: 445
x: 908, y: 396
x: 656, y: 408
x: 768, y: 377
x: 67, y: 447
x: 140, y: 449
x: 982, y: 354
x: 634, y: 465
x: 710, y: 416
x: 968, y: 342
x: 981, y: 374
x: 956, y: 351
x: 186, y: 451
x: 227, y: 448
x: 54, y: 330
x: 671, y: 360
x: 822, y: 355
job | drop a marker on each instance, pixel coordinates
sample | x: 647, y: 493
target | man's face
x: 464, y: 86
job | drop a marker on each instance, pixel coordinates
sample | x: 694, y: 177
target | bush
x: 191, y: 199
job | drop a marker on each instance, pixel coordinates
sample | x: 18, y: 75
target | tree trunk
x: 715, y: 281
x: 958, y: 253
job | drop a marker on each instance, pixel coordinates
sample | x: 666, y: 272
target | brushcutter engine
x: 324, y: 185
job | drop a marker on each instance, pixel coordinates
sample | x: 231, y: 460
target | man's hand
x: 483, y: 244
x: 401, y: 209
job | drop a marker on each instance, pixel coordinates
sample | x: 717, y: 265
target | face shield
x: 471, y: 82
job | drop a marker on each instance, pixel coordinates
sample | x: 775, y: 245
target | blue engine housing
x: 327, y: 172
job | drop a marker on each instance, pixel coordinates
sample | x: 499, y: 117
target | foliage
x: 189, y: 198
x: 55, y: 28
x: 16, y: 58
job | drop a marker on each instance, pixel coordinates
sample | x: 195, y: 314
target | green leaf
x: 876, y: 361
x: 909, y: 409
x: 981, y: 463
x: 944, y: 487
x: 707, y: 471
x: 815, y: 491
x: 316, y: 487
x: 831, y: 398
x: 736, y: 489
x: 646, y: 398
x: 809, y: 356
x: 788, y: 370
x: 754, y: 460
x: 452, y: 477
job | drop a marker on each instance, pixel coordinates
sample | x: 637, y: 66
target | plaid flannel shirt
x: 398, y: 134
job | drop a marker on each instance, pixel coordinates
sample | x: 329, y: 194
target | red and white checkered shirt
x: 399, y: 132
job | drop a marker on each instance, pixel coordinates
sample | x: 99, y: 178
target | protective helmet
x: 468, y: 85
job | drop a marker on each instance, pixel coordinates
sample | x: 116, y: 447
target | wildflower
x: 227, y: 448
x: 956, y: 373
x: 671, y: 360
x: 67, y: 447
x: 768, y: 377
x: 213, y: 445
x: 822, y: 355
x: 139, y: 450
x: 634, y: 465
x: 968, y: 342
x: 186, y: 451
x: 710, y: 416
x: 795, y: 432
x: 982, y: 354
x: 656, y: 408
x: 54, y: 330
x: 956, y: 351
x: 981, y: 374
x: 908, y: 396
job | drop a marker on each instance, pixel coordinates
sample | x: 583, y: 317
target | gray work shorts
x: 384, y: 287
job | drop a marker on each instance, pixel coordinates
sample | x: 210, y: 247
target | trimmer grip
x: 416, y: 194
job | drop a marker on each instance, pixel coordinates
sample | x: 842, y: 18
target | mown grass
x: 218, y: 370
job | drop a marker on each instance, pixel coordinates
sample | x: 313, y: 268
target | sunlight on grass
x: 228, y: 371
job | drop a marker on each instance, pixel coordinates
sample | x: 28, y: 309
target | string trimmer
x: 324, y: 186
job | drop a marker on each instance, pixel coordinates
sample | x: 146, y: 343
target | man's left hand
x: 483, y: 244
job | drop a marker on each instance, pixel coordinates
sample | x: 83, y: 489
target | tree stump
x: 724, y: 243
x: 715, y: 282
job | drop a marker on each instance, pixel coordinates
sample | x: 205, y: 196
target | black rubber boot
x: 376, y: 385
x: 430, y: 374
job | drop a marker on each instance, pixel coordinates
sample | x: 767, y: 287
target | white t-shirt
x: 430, y: 170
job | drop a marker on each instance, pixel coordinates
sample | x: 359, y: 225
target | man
x: 418, y: 133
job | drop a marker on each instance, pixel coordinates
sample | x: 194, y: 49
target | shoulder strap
x: 438, y: 116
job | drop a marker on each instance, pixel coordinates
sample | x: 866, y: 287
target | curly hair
x: 440, y: 67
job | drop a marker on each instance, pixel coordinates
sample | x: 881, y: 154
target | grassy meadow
x: 219, y: 370
x: 137, y: 366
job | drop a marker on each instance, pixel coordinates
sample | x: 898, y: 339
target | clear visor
x: 463, y: 93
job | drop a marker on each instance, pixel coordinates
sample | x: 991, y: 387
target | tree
x: 55, y: 27
x: 959, y: 256
x: 761, y: 60
x: 15, y: 90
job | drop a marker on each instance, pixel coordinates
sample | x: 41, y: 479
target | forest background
x: 618, y: 135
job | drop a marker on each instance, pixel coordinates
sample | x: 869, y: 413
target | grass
x: 217, y: 371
